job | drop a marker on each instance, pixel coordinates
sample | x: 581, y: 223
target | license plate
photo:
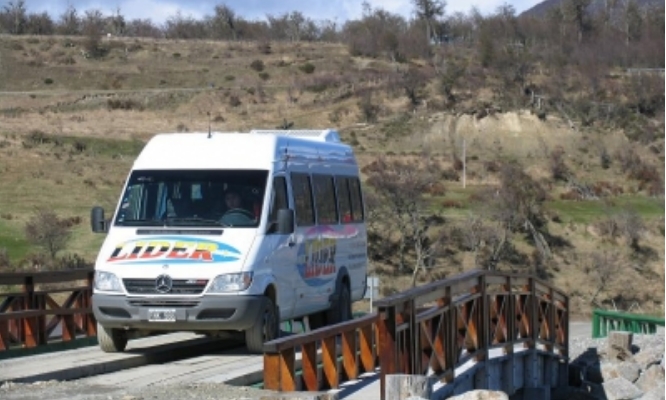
x: 162, y: 315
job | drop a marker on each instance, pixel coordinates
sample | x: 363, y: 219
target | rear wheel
x: 265, y: 329
x: 111, y: 340
x: 341, y: 309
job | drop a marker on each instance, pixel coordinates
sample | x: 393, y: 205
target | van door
x: 282, y: 250
x: 307, y: 236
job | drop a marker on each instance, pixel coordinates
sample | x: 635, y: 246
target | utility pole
x: 464, y: 160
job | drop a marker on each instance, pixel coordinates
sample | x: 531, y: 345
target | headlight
x: 231, y: 283
x: 107, y: 282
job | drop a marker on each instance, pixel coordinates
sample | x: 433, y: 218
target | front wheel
x: 111, y: 340
x: 265, y: 329
x: 341, y: 309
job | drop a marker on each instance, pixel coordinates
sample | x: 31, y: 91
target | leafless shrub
x: 632, y: 227
x: 47, y: 230
x: 401, y: 188
x: 602, y: 269
x: 558, y: 168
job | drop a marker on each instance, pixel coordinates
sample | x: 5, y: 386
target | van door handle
x: 291, y: 241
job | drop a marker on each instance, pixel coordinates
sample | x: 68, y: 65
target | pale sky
x: 159, y: 11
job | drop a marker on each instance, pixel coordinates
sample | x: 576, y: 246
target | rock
x: 629, y: 370
x: 619, y: 345
x: 649, y: 356
x: 621, y: 389
x: 656, y: 393
x: 481, y: 395
x: 650, y: 378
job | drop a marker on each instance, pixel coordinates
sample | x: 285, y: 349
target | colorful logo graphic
x: 316, y: 256
x: 174, y: 249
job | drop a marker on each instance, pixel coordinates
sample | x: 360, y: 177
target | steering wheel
x: 238, y: 215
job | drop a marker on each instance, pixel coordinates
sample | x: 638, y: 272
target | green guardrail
x: 606, y: 321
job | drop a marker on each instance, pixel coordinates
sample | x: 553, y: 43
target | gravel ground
x: 79, y: 390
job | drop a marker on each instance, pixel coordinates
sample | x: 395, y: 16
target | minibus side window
x: 324, y: 190
x: 302, y: 192
x: 279, y: 200
x: 356, y: 199
x: 344, y: 202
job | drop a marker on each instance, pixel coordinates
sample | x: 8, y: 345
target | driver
x: 235, y: 214
x: 232, y: 200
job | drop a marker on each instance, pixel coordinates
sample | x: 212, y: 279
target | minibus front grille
x: 179, y: 286
x: 164, y: 302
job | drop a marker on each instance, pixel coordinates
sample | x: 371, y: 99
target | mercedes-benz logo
x: 163, y: 284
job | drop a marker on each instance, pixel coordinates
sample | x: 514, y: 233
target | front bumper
x: 207, y: 313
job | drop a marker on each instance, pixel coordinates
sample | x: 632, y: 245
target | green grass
x: 15, y: 243
x: 90, y: 145
x: 587, y: 211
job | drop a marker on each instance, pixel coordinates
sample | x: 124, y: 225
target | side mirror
x: 285, y: 221
x: 97, y: 222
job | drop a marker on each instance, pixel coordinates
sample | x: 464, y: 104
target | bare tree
x: 603, y: 269
x: 47, y: 230
x: 429, y: 10
x: 93, y: 25
x: 224, y: 23
x: 517, y: 204
x: 633, y: 227
x: 15, y: 17
x: 39, y: 24
x: 633, y: 22
x: 486, y: 240
x: 577, y: 13
x: 70, y: 23
x: 402, y: 188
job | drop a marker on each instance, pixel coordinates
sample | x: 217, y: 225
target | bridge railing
x: 434, y: 329
x: 358, y: 354
x: 605, y: 321
x: 34, y: 305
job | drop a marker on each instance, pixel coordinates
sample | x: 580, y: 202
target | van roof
x: 257, y: 149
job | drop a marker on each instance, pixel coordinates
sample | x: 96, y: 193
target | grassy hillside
x: 70, y: 127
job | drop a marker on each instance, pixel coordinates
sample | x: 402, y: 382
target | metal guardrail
x: 432, y: 328
x: 43, y: 302
x: 605, y: 321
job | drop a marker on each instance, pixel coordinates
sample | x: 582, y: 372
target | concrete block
x: 619, y: 345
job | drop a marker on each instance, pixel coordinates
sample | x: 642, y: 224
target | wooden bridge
x: 477, y: 330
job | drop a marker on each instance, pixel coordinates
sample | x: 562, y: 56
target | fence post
x: 387, y: 352
x: 90, y: 324
x: 28, y: 325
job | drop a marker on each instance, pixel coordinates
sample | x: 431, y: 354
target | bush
x: 124, y: 104
x: 264, y: 76
x: 307, y: 68
x: 257, y: 65
x: 48, y: 81
x: 234, y: 101
x: 45, y: 229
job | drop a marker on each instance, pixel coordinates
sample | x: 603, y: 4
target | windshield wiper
x: 192, y: 221
x: 140, y: 222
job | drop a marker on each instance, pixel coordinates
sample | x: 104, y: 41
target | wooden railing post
x: 89, y: 322
x: 29, y: 334
x: 386, y: 325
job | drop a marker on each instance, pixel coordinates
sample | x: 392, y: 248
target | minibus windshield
x: 210, y: 198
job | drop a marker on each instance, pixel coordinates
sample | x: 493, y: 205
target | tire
x: 265, y: 329
x: 341, y: 309
x: 111, y: 340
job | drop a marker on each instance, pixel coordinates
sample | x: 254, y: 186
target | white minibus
x: 232, y: 232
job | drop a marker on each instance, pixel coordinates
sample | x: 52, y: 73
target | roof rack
x: 324, y: 135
